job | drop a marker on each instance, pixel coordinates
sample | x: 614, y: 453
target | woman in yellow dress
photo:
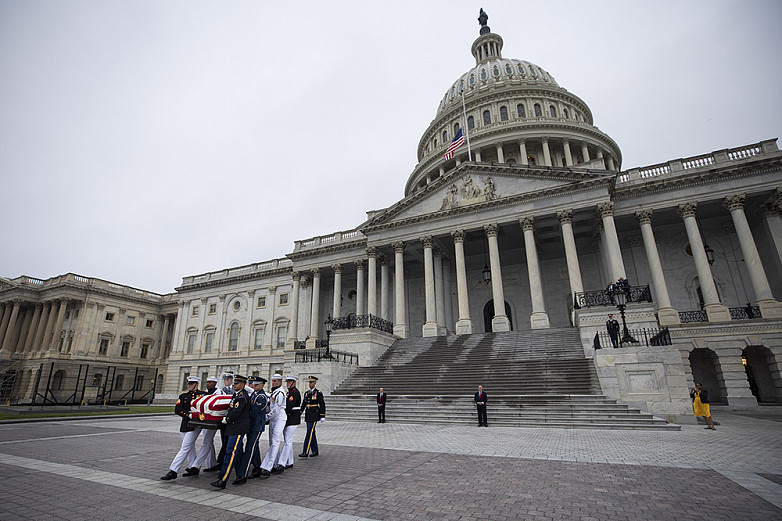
x: 700, y: 403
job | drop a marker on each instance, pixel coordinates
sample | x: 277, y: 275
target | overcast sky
x: 144, y: 141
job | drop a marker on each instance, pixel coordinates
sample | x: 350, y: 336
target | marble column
x: 46, y: 316
x: 568, y: 153
x: 500, y: 155
x: 58, y: 324
x: 539, y: 318
x: 24, y: 330
x: 4, y: 316
x: 665, y: 313
x: 614, y: 252
x: 448, y: 303
x: 400, y: 325
x: 10, y: 325
x: 571, y: 255
x: 372, y: 255
x: 585, y: 152
x: 464, y: 323
x: 769, y: 307
x: 360, y: 291
x: 49, y: 331
x: 315, y: 315
x: 773, y: 216
x: 294, y: 331
x: 714, y: 309
x: 611, y: 163
x: 439, y: 291
x: 430, y: 327
x: 523, y: 152
x: 500, y: 321
x: 161, y: 355
x: 384, y: 288
x: 34, y: 326
x: 546, y: 152
x: 336, y: 309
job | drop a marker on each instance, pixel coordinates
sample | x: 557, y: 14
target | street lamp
x: 620, y: 299
x: 329, y: 323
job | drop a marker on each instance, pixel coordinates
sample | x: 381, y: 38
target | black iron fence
x: 745, y: 313
x: 642, y: 337
x: 326, y: 355
x: 360, y: 321
x: 601, y: 297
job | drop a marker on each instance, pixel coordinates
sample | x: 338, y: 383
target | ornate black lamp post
x: 329, y: 323
x: 620, y: 299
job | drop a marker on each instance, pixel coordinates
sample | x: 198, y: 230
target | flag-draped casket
x: 208, y: 411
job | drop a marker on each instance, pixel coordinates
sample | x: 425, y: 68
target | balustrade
x: 603, y: 298
x: 360, y: 321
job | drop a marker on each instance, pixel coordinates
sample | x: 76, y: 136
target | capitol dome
x: 516, y: 114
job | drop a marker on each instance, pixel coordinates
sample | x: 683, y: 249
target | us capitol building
x: 522, y: 229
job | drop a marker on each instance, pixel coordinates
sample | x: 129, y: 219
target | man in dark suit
x: 381, y: 406
x: 480, y: 403
x: 612, y: 326
x: 237, y: 425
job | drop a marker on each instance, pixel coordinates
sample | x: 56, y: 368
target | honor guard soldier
x: 237, y: 425
x: 277, y: 418
x: 314, y: 411
x: 189, y: 434
x: 206, y: 456
x: 227, y: 388
x: 293, y: 412
x: 258, y: 405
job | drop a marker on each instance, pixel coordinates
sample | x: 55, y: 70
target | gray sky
x: 143, y: 141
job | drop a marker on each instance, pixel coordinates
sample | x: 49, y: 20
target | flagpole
x: 466, y: 131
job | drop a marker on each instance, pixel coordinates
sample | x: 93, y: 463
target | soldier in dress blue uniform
x: 227, y: 389
x: 189, y: 433
x: 314, y: 411
x: 237, y: 425
x: 258, y: 405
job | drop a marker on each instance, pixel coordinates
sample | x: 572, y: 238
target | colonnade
x: 436, y: 272
x: 26, y: 327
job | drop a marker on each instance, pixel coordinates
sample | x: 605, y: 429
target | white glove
x: 323, y: 419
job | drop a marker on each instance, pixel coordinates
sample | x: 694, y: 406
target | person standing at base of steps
x: 314, y: 412
x: 480, y: 403
x: 381, y: 406
x: 700, y: 404
x: 612, y: 326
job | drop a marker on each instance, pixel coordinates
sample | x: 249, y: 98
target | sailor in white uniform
x: 277, y: 418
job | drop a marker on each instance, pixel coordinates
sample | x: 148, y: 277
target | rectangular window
x: 283, y: 299
x: 109, y: 317
x: 282, y: 335
x: 75, y: 313
x: 97, y: 379
x: 104, y: 346
x: 212, y: 309
x: 131, y: 321
x: 256, y: 373
x: 184, y: 381
x: 144, y: 351
x: 125, y: 349
x: 195, y: 311
x: 69, y: 344
x: 208, y: 345
x: 258, y: 339
x: 261, y: 302
x: 67, y: 315
x: 150, y: 323
x: 191, y: 338
x: 140, y: 383
x: 119, y: 382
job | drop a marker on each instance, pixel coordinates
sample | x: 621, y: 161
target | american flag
x: 458, y: 140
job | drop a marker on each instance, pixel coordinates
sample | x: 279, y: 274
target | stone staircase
x: 534, y: 378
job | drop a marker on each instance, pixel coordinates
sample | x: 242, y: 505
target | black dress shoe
x: 313, y: 454
x: 213, y: 469
x: 191, y: 472
x: 264, y: 474
x: 278, y: 469
x: 239, y: 481
x: 219, y: 483
x: 289, y: 466
x: 254, y: 474
x: 304, y: 455
x: 169, y: 476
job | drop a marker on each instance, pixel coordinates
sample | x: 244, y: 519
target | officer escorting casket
x: 314, y: 411
x: 188, y: 432
x: 237, y: 424
x: 258, y: 405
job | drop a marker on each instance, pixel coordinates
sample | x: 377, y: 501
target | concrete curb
x: 93, y: 417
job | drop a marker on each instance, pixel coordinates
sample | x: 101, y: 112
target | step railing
x: 638, y: 337
x: 325, y: 355
x: 363, y: 321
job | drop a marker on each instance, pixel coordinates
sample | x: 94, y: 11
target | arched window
x: 503, y: 113
x: 281, y: 333
x: 533, y: 72
x: 435, y: 142
x: 97, y: 379
x: 456, y: 128
x: 521, y: 111
x: 531, y: 160
x: 472, y: 79
x: 496, y: 72
x: 445, y: 136
x: 564, y: 113
x: 538, y: 110
x: 470, y: 123
x: 486, y: 117
x: 521, y: 70
x: 461, y: 86
x: 508, y: 70
x: 553, y: 111
x: 233, y: 337
x: 483, y: 74
x: 59, y: 376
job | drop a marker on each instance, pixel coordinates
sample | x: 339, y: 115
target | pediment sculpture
x: 469, y: 193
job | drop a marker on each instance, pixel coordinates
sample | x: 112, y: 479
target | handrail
x: 601, y: 297
x: 326, y: 355
x: 361, y: 321
x: 643, y: 336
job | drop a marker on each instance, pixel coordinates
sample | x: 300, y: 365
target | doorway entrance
x: 488, y: 315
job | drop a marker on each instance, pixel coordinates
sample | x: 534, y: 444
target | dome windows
x: 521, y: 70
x: 461, y: 86
x: 503, y: 113
x: 533, y: 72
x: 521, y: 111
x: 445, y: 136
x: 496, y: 71
x: 483, y: 74
x: 538, y: 110
x: 472, y: 79
x: 553, y: 111
x: 486, y: 117
x: 453, y: 91
x: 456, y: 128
x: 470, y: 123
x: 564, y: 113
x: 508, y: 69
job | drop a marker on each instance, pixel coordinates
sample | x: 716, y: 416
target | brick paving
x: 75, y: 470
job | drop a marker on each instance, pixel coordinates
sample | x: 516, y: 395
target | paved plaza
x: 109, y: 469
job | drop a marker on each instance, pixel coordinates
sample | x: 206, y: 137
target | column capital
x: 360, y: 264
x: 687, y: 210
x: 337, y: 268
x: 399, y: 247
x: 427, y: 241
x: 315, y: 272
x: 383, y: 260
x: 458, y: 235
x: 372, y: 252
x: 527, y: 223
x: 565, y: 216
x: 492, y: 230
x: 296, y: 275
x: 644, y: 216
x: 772, y: 208
x: 522, y: 140
x: 734, y: 202
x: 544, y: 139
x: 272, y: 290
x: 605, y: 209
x: 305, y: 281
x: 436, y: 251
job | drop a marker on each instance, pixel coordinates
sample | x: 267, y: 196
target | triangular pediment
x: 473, y: 188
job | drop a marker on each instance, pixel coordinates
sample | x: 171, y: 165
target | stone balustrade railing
x: 81, y: 281
x: 249, y: 269
x: 680, y: 166
x: 323, y: 240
